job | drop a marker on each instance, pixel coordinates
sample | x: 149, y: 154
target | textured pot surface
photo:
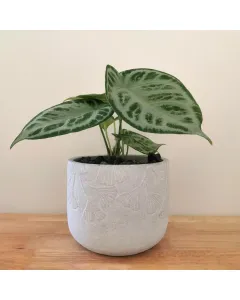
x: 117, y: 209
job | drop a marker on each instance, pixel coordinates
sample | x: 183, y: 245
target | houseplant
x: 118, y: 203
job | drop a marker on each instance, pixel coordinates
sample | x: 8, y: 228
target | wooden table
x: 44, y: 242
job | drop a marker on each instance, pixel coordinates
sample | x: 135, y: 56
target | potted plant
x: 117, y: 204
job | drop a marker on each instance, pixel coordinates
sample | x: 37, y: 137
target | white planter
x: 117, y: 209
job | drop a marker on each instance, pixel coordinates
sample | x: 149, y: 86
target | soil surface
x: 120, y: 160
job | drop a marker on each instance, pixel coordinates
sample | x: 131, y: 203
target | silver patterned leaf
x: 153, y: 101
x: 67, y: 117
x: 100, y: 97
x: 138, y: 142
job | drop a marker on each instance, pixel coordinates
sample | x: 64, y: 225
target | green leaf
x: 67, y: 117
x: 100, y: 97
x: 107, y: 123
x: 153, y: 101
x: 138, y: 142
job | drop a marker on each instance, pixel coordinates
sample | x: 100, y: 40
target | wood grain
x: 44, y: 242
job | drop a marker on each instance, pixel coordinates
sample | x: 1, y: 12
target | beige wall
x: 40, y: 69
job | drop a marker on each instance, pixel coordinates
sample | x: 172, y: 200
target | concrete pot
x: 117, y: 210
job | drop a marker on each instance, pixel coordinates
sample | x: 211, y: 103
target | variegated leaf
x: 138, y: 142
x: 100, y: 97
x: 153, y: 101
x: 67, y: 117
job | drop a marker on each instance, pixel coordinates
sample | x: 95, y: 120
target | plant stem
x: 108, y: 141
x: 120, y: 126
x: 122, y: 148
x: 108, y: 150
x: 118, y: 146
x: 127, y: 150
x: 114, y: 126
x: 115, y: 131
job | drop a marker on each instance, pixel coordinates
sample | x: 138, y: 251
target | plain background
x: 39, y: 69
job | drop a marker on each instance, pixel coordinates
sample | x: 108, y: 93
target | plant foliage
x: 148, y: 100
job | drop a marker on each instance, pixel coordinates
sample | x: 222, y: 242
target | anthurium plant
x: 148, y: 100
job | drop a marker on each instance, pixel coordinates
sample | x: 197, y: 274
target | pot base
x: 127, y: 250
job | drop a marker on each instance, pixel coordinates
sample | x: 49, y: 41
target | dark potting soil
x: 120, y: 160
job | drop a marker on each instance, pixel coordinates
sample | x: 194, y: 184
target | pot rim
x: 73, y: 160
